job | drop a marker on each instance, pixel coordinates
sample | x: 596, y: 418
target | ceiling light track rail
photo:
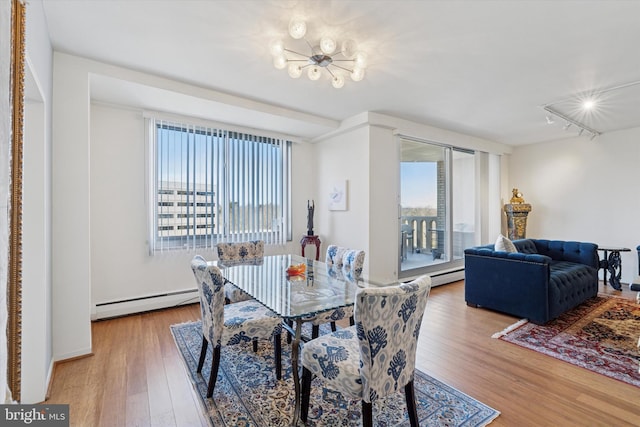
x: 569, y: 122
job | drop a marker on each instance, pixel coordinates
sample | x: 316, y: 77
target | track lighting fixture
x: 568, y: 122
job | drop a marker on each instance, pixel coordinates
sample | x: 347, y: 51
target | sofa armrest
x: 513, y: 283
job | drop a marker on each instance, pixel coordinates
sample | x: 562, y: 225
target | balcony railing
x: 425, y: 232
x: 430, y: 239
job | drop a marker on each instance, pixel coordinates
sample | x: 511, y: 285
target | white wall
x: 344, y: 157
x: 70, y: 210
x: 583, y: 190
x: 384, y: 208
x: 37, y: 352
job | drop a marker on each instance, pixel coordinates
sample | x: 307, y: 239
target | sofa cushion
x: 504, y: 245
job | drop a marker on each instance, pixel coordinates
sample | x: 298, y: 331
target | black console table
x: 613, y: 264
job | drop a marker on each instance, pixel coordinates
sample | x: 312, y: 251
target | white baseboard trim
x: 49, y: 381
x: 441, y: 277
x: 105, y: 310
x: 447, y: 277
x: 73, y: 355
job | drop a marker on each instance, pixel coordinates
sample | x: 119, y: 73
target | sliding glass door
x: 437, y: 206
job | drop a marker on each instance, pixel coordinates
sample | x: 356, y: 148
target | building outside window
x: 209, y: 185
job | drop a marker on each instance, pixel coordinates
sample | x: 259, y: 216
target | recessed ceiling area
x: 481, y: 68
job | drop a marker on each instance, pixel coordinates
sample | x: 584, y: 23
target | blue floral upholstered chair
x: 346, y: 264
x: 376, y: 357
x: 230, y: 324
x: 243, y: 252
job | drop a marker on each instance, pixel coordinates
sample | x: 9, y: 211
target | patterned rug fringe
x: 510, y: 328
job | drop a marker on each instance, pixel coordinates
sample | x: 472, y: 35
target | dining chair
x: 228, y: 324
x: 376, y: 357
x: 346, y: 264
x: 241, y: 252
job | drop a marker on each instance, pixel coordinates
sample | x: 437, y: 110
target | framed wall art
x: 338, y: 196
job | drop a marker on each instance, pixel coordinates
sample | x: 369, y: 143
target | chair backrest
x: 241, y: 252
x: 350, y: 260
x: 388, y: 323
x: 211, y: 292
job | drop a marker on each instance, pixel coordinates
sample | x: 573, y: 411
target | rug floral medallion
x: 600, y: 335
x: 248, y: 394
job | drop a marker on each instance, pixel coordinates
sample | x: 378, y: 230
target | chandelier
x: 321, y: 56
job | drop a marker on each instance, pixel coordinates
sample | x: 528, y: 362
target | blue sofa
x: 542, y: 280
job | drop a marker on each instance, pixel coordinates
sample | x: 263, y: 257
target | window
x: 210, y: 185
x: 438, y: 219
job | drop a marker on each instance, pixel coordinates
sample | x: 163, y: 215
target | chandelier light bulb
x: 338, y: 82
x: 357, y: 74
x: 349, y: 48
x: 314, y: 73
x: 276, y: 47
x: 295, y: 70
x: 327, y: 45
x: 297, y: 28
x: 361, y: 60
x: 280, y: 62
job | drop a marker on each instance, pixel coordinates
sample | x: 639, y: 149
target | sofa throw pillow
x: 505, y: 245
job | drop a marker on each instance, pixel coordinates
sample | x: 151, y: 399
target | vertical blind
x: 211, y: 185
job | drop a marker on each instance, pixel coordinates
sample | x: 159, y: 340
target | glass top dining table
x: 297, y: 299
x: 320, y: 288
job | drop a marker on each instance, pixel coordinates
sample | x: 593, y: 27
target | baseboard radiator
x: 105, y: 310
x: 447, y: 277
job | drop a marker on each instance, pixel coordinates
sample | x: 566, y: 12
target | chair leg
x: 367, y: 414
x: 352, y: 321
x: 333, y: 326
x: 411, y: 403
x: 213, y: 377
x: 306, y: 392
x: 203, y: 354
x: 289, y: 337
x: 315, y: 331
x: 277, y: 348
x: 255, y: 346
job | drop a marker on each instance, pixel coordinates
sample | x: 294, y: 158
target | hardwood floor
x: 136, y: 377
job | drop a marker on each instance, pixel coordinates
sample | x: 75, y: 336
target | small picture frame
x: 338, y: 196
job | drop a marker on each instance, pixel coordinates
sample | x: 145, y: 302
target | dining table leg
x: 295, y: 348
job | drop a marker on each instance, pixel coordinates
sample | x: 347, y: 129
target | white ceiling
x: 484, y: 68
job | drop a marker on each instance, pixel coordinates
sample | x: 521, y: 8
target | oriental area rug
x: 600, y: 335
x: 247, y: 392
